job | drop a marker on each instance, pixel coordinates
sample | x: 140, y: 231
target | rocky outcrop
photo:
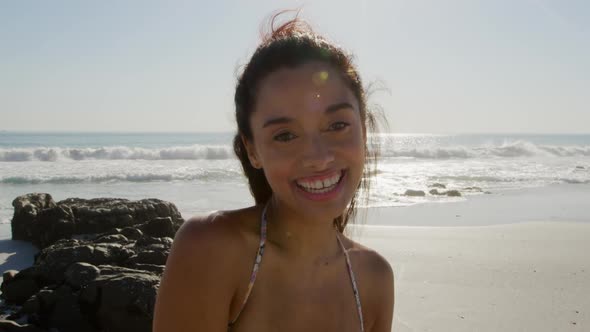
x: 84, y: 280
x: 41, y: 221
x: 473, y: 189
x: 411, y: 192
x: 26, y: 215
x: 12, y: 326
x: 453, y: 193
x: 436, y: 192
x: 450, y: 193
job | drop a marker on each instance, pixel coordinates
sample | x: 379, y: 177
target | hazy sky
x: 450, y: 66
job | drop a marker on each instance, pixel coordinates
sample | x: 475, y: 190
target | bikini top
x: 257, y: 266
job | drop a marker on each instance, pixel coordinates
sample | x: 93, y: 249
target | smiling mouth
x: 321, y: 186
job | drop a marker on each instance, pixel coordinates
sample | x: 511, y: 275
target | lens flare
x: 319, y: 78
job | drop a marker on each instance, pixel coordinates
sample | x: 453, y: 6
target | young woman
x: 285, y: 264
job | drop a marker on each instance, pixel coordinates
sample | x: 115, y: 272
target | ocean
x: 199, y: 173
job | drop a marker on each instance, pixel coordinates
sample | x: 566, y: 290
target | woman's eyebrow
x: 338, y: 107
x: 330, y: 109
x: 275, y: 121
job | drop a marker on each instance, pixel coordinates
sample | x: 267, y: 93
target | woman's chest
x: 284, y: 300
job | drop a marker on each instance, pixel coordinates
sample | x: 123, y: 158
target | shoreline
x: 555, y: 203
x: 561, y: 201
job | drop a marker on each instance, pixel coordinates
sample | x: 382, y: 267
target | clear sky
x: 457, y: 66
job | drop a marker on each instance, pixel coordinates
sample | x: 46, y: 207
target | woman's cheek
x: 354, y: 151
x: 278, y: 169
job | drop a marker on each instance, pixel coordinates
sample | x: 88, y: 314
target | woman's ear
x: 251, y: 151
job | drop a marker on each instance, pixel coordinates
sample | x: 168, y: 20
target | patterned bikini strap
x: 256, y: 263
x: 354, y: 287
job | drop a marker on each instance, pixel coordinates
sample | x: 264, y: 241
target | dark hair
x: 290, y: 45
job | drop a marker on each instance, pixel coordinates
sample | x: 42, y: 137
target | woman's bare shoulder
x: 376, y: 283
x: 222, y: 231
x: 217, y: 240
x: 369, y: 260
x: 199, y: 279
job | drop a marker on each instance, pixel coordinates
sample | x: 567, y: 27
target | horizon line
x: 12, y: 131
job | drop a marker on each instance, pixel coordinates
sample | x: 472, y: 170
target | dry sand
x: 519, y: 277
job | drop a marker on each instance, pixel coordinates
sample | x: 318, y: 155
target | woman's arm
x: 196, y: 289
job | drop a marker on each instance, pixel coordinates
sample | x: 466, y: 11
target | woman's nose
x: 317, y: 153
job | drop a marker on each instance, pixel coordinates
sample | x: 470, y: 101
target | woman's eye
x: 337, y: 126
x: 284, y: 137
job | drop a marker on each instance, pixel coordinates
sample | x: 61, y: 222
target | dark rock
x: 126, y: 301
x: 453, y: 193
x: 107, y: 270
x: 157, y: 269
x: 47, y: 297
x: 99, y: 266
x: 8, y: 274
x: 149, y: 257
x: 26, y: 211
x: 159, y: 227
x: 11, y: 326
x: 79, y: 274
x: 120, y: 238
x: 54, y: 224
x: 411, y: 192
x: 31, y: 306
x: 19, y: 288
x: 66, y: 314
x: 39, y: 220
x: 52, y: 262
x: 85, y: 237
x: 148, y: 240
x: 112, y: 231
x: 18, y: 291
x: 579, y: 167
x: 476, y: 189
x: 101, y: 214
x: 132, y: 233
x: 438, y: 185
x: 154, y: 246
x: 436, y: 192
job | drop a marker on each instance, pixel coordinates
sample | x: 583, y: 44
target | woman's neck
x: 299, y: 236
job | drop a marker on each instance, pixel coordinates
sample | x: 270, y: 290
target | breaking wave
x: 507, y: 150
x: 193, y: 152
x: 514, y: 149
x: 209, y: 175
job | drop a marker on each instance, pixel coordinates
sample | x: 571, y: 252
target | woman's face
x: 309, y: 139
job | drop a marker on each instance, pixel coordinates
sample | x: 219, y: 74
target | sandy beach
x: 510, y: 261
x: 493, y: 263
x: 519, y: 277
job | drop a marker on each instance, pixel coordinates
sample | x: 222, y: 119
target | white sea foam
x: 118, y: 176
x: 52, y: 154
x: 506, y: 150
x: 513, y: 149
x: 206, y: 175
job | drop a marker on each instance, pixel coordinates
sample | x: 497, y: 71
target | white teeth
x: 320, y: 186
